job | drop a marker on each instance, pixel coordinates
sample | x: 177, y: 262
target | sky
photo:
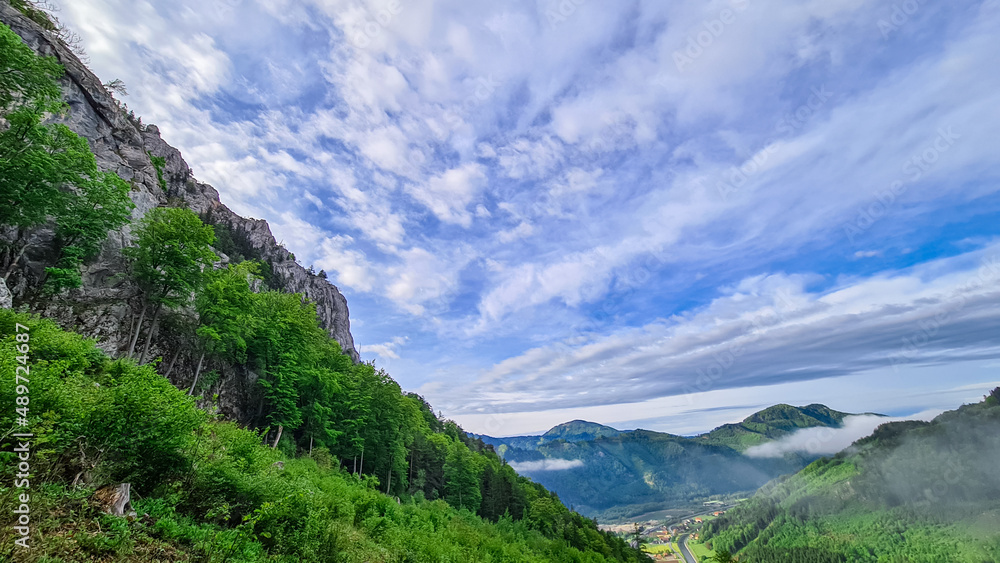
x: 651, y: 214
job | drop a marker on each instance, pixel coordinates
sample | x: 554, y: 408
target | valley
x: 616, y: 475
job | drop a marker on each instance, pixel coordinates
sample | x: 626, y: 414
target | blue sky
x: 655, y: 214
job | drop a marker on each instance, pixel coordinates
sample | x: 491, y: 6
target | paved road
x: 683, y: 543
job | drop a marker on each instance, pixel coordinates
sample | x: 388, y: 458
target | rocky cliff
x: 105, y: 307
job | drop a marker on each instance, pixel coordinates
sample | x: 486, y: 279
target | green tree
x: 225, y: 306
x: 285, y: 344
x: 637, y: 539
x: 172, y: 249
x: 24, y: 76
x: 722, y: 556
x: 102, y: 205
x: 47, y: 171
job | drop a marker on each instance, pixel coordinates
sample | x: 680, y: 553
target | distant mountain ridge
x: 572, y: 431
x: 638, y: 468
x: 773, y: 423
x: 579, y: 431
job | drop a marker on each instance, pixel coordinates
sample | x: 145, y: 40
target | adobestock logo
x: 484, y: 90
x: 363, y: 34
x: 901, y: 14
x: 883, y: 201
x: 705, y: 38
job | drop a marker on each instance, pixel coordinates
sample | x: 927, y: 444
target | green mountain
x: 614, y: 473
x: 572, y: 431
x: 773, y: 423
x: 578, y: 431
x: 912, y: 491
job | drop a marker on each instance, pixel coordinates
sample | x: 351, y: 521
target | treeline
x: 367, y: 468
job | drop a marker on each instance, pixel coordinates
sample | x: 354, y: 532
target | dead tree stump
x: 116, y: 501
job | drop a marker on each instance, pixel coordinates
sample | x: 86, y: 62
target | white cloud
x: 522, y: 230
x: 350, y: 267
x: 526, y: 158
x: 449, y: 194
x: 546, y: 465
x: 605, y: 158
x: 765, y: 330
x: 423, y: 278
x: 387, y: 350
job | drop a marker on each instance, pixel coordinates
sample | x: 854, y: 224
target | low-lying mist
x: 828, y: 441
x: 546, y: 465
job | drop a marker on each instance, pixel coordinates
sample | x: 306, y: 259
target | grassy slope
x: 209, y: 491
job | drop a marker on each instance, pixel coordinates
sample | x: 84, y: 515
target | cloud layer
x: 588, y: 204
x: 546, y: 465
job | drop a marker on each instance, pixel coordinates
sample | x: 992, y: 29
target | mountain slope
x: 628, y: 471
x: 106, y: 305
x: 773, y: 423
x: 912, y: 491
x: 209, y: 490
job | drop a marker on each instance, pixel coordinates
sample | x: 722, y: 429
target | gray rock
x: 106, y: 306
x: 6, y: 299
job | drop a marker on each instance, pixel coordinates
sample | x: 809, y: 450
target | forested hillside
x: 912, y: 491
x: 773, y: 423
x: 622, y: 474
x: 333, y: 463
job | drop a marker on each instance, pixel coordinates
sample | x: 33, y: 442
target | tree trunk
x: 116, y: 501
x: 278, y: 437
x: 170, y: 368
x: 135, y: 333
x: 310, y: 445
x: 355, y: 471
x: 362, y: 470
x: 152, y: 330
x: 388, y: 479
x: 260, y: 410
x: 409, y: 474
x: 13, y: 264
x: 197, y: 372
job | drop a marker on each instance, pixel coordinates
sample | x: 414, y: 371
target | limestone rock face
x: 106, y: 306
x: 6, y: 299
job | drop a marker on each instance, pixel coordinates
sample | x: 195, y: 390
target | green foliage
x: 36, y: 161
x: 159, y: 163
x: 128, y: 418
x: 102, y: 205
x: 26, y: 76
x: 172, y: 249
x: 214, y: 493
x: 47, y: 171
x: 621, y: 473
x: 36, y: 15
x: 224, y: 306
x: 772, y: 423
x: 993, y: 399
